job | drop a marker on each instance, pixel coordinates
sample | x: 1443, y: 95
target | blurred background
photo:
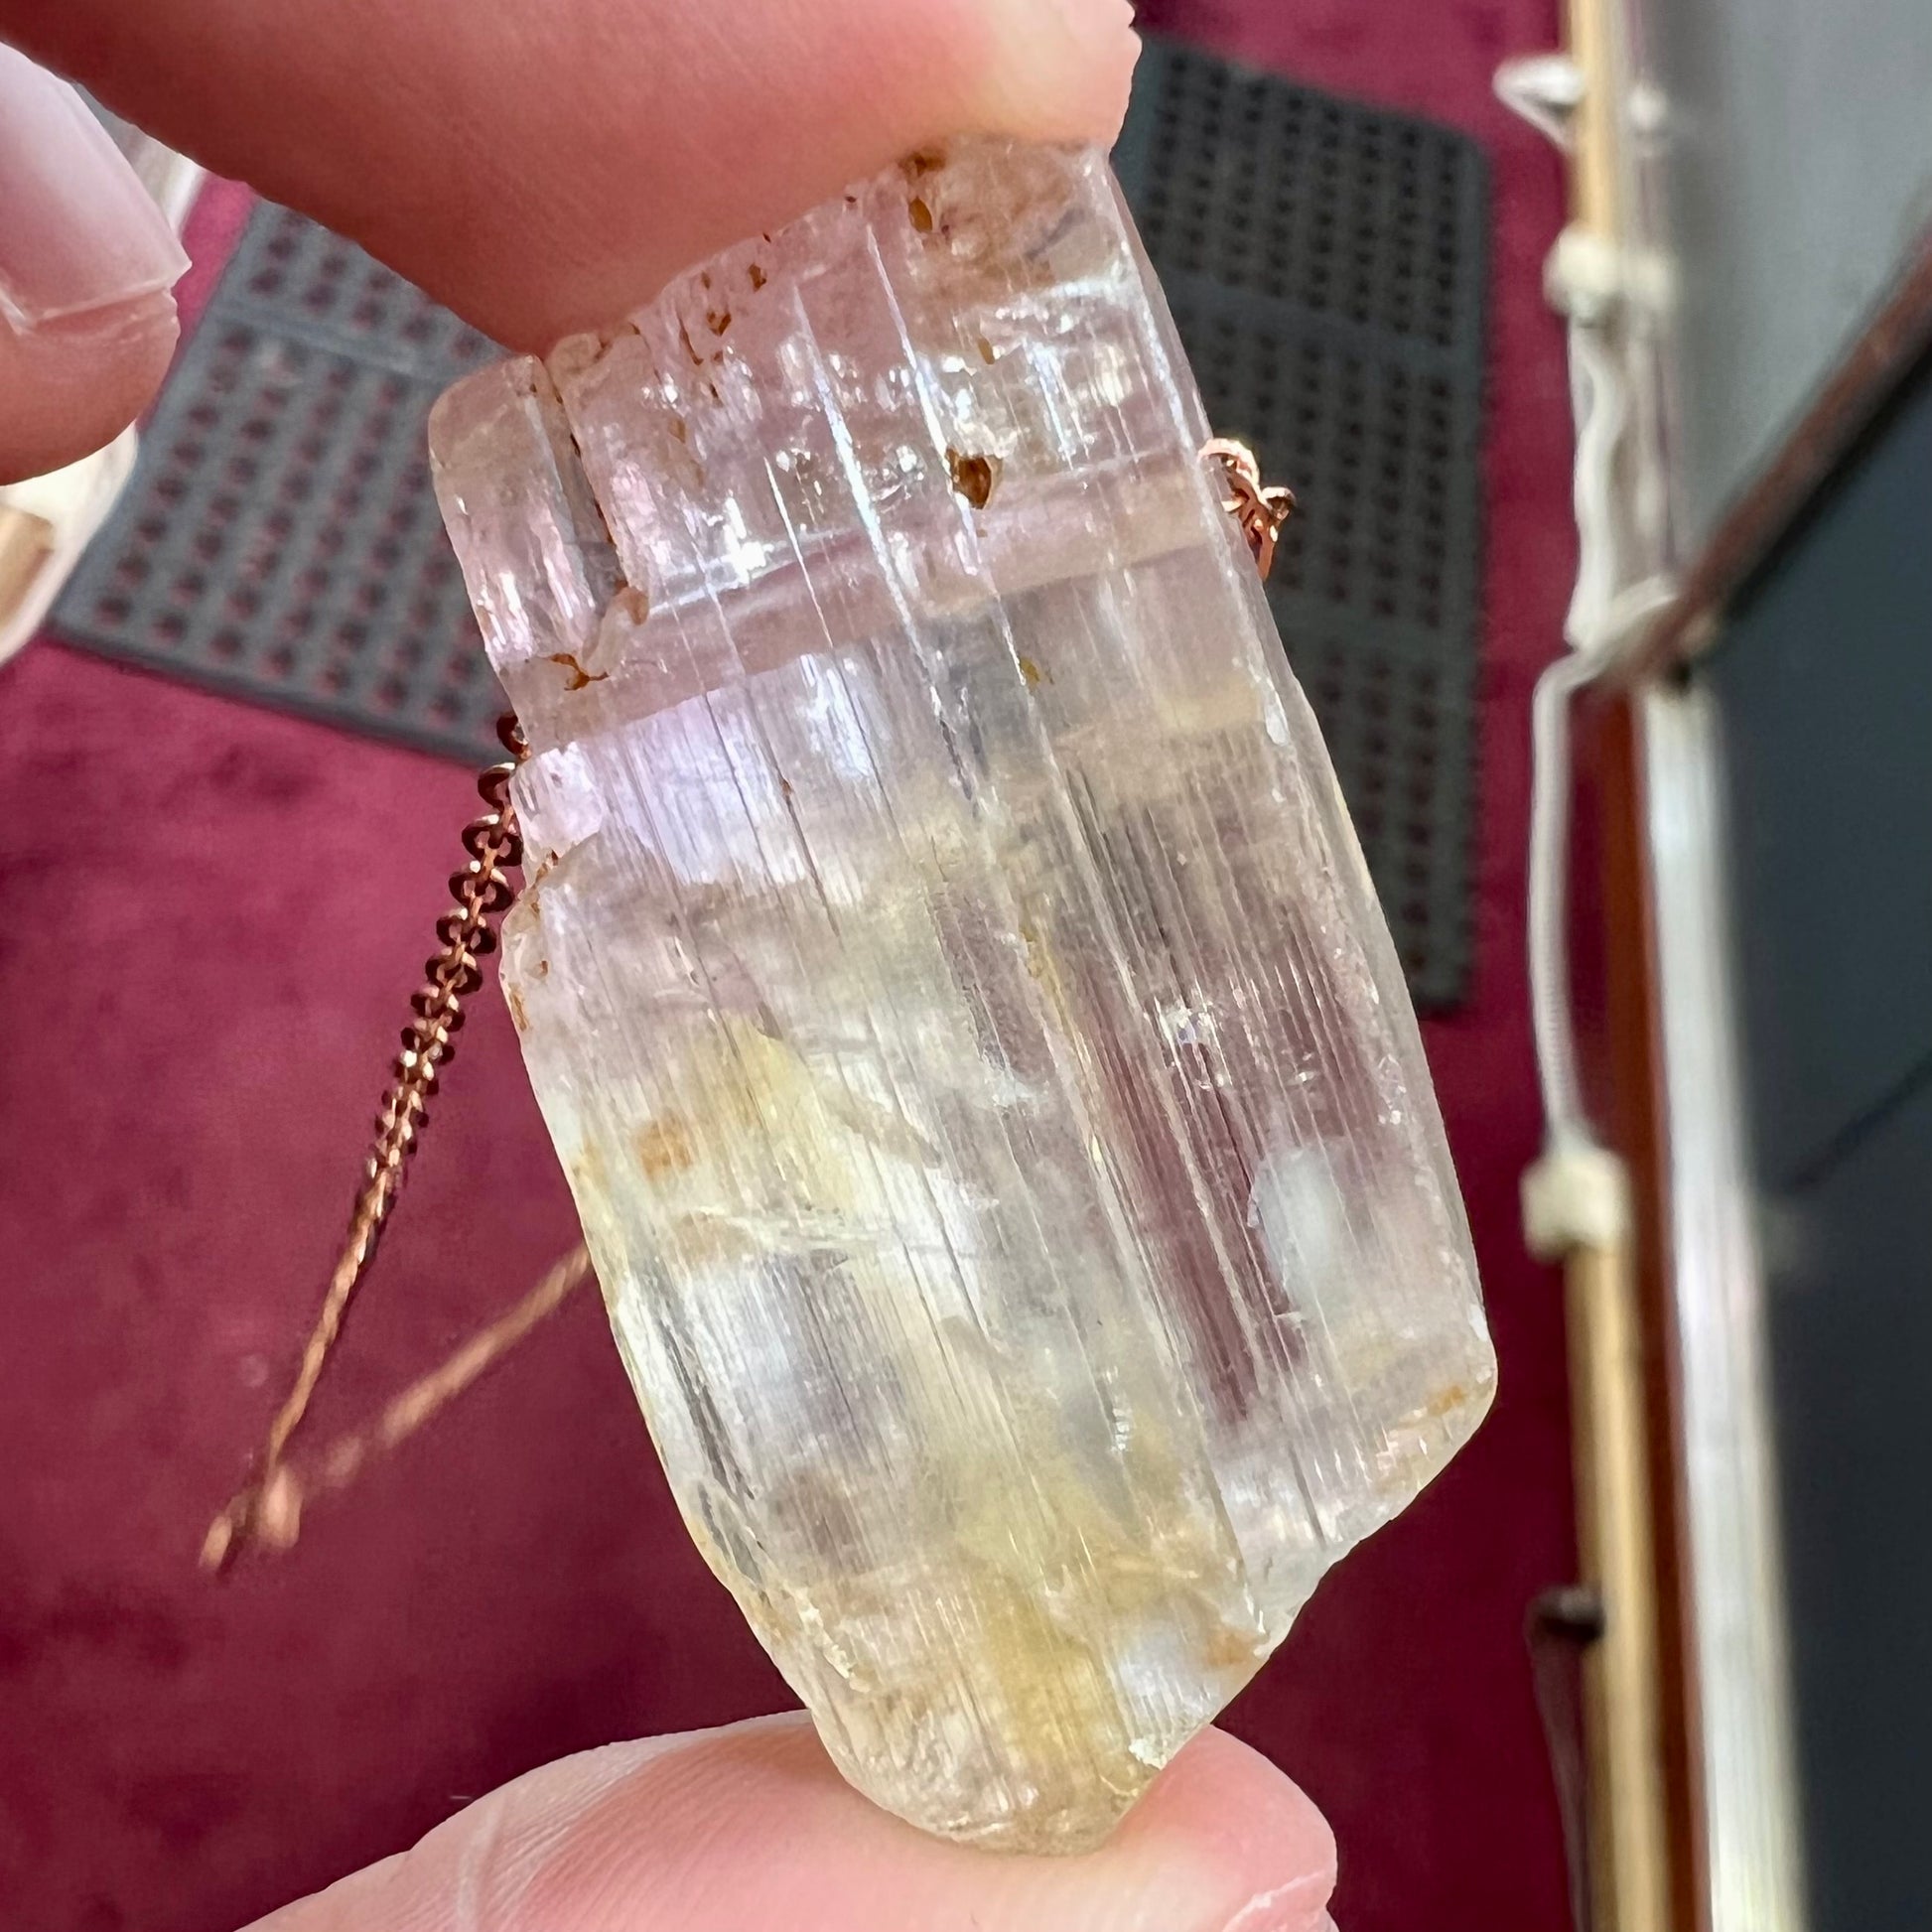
x: 1596, y: 348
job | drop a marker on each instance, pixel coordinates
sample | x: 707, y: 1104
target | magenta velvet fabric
x: 210, y: 918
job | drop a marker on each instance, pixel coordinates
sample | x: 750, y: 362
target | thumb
x: 86, y: 260
x: 752, y: 1829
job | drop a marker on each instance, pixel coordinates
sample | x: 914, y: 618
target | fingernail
x: 1099, y: 28
x: 78, y: 234
x: 1285, y: 1909
x: 1095, y: 19
x: 1060, y: 69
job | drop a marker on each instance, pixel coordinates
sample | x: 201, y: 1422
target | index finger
x: 544, y: 169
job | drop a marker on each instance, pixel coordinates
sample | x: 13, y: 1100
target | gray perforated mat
x: 1327, y: 266
x: 280, y: 540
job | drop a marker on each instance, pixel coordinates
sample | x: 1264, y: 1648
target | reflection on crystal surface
x: 954, y: 990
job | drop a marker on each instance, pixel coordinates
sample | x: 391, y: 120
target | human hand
x: 752, y: 1829
x: 540, y: 169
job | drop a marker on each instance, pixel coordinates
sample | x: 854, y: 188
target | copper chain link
x: 268, y: 1508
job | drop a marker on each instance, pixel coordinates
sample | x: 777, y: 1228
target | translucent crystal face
x: 954, y: 989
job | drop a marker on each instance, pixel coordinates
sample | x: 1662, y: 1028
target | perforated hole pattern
x: 281, y: 539
x: 1300, y: 196
x: 1326, y: 265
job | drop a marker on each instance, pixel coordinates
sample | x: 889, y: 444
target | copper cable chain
x: 268, y: 1509
x: 1260, y: 511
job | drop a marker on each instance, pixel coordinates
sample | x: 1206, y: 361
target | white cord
x: 1565, y: 1118
x: 1601, y: 411
x: 1567, y: 1121
x: 1601, y: 623
x: 1577, y: 1194
x: 1545, y: 89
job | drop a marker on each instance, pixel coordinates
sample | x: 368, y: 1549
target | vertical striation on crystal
x: 954, y: 988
